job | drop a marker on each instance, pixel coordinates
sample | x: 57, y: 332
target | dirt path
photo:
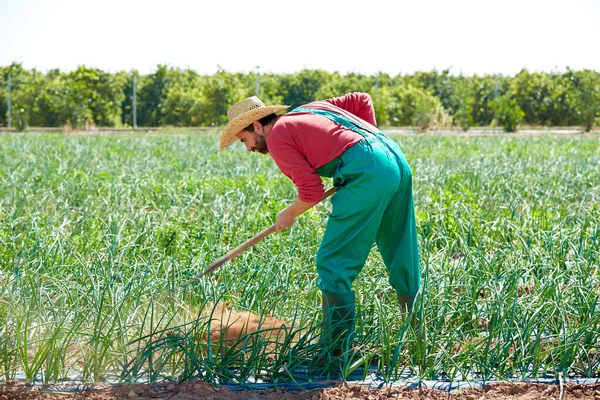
x: 198, y: 390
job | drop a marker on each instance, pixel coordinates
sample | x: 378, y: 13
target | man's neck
x: 267, y: 128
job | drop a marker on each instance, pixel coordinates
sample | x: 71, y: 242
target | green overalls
x: 373, y: 203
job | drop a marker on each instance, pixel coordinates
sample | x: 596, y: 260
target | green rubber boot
x: 339, y: 316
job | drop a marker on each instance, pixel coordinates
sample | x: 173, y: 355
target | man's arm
x: 295, y: 166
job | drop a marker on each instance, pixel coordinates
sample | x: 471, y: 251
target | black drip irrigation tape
x: 373, y: 382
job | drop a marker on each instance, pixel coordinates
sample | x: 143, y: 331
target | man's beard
x: 260, y: 143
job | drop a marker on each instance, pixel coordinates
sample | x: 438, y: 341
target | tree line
x: 184, y: 98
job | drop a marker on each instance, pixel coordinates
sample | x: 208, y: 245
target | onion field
x: 100, y: 236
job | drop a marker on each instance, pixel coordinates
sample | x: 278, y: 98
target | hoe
x: 240, y: 249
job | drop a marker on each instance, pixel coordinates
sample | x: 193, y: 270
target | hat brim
x: 239, y: 123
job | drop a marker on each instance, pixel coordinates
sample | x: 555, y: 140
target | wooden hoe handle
x: 240, y: 249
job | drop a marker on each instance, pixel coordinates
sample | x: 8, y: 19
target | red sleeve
x: 295, y: 166
x: 357, y: 103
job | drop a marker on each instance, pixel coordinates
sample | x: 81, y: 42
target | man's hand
x: 285, y: 220
x: 287, y: 217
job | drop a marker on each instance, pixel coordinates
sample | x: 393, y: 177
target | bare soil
x: 198, y: 390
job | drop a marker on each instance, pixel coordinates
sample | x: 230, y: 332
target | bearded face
x: 260, y: 143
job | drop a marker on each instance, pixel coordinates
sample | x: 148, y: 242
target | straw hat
x: 242, y: 114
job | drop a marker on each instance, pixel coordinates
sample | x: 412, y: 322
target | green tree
x: 483, y: 90
x: 507, y: 113
x: 533, y: 93
x: 178, y: 97
x: 221, y: 90
x: 151, y: 90
x: 33, y: 97
x: 587, y: 84
x: 337, y: 85
x: 181, y: 99
x: 24, y: 88
x: 443, y: 85
x: 562, y: 109
x: 302, y: 88
x: 45, y: 108
x: 3, y: 95
x: 411, y: 106
x: 127, y: 104
x: 88, y: 95
x: 269, y: 89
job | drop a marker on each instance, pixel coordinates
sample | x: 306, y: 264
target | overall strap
x: 340, y: 119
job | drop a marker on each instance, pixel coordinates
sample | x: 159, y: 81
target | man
x: 373, y: 202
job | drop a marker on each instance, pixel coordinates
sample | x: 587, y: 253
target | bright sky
x: 279, y: 36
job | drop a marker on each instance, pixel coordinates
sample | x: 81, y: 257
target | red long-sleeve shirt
x: 302, y: 142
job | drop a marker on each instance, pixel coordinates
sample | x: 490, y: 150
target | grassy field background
x: 98, y: 232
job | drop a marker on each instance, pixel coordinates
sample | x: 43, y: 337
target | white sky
x: 279, y: 36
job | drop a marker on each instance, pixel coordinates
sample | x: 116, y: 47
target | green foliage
x: 24, y: 85
x: 507, y: 113
x: 483, y: 90
x: 534, y: 94
x: 587, y: 84
x: 442, y: 85
x: 302, y: 88
x: 411, y: 106
x: 182, y: 97
x: 98, y: 232
x: 3, y: 96
x: 455, y: 93
x: 464, y: 113
x: 269, y: 90
x: 221, y: 91
x: 91, y: 96
x: 336, y: 85
x: 84, y: 96
x: 127, y: 103
x: 151, y: 89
